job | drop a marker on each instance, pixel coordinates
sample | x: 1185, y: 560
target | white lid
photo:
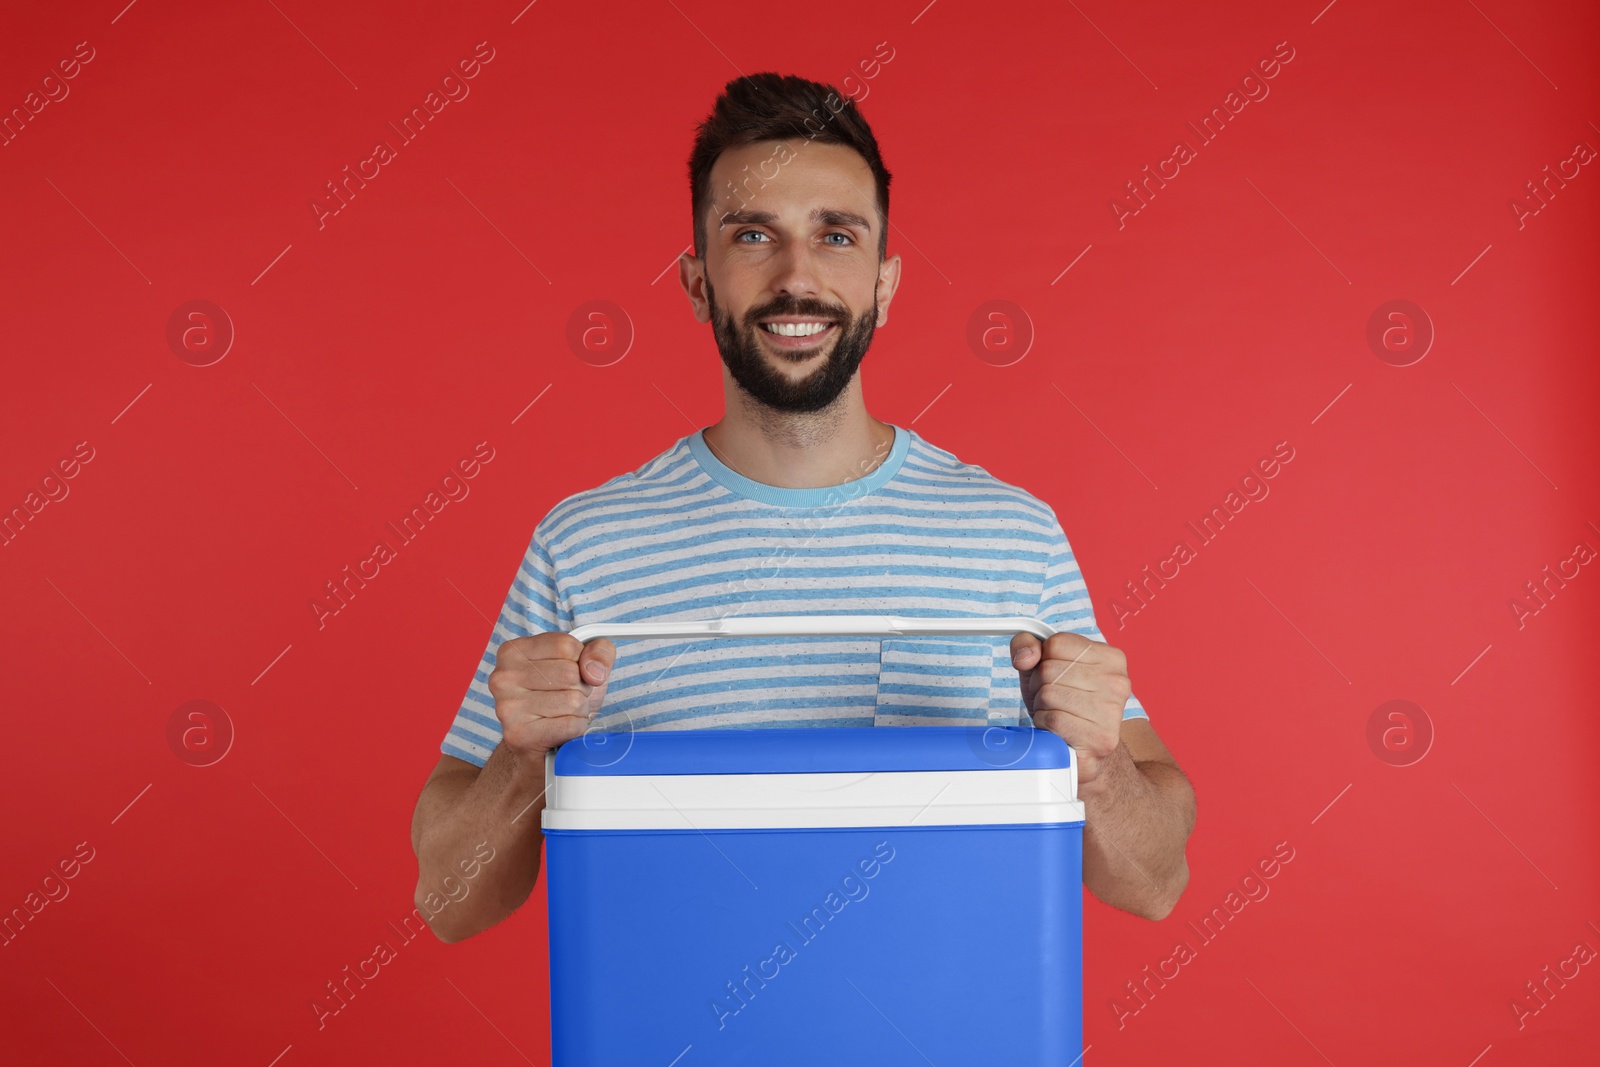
x: 829, y: 800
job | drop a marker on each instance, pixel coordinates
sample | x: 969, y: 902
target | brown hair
x: 772, y: 107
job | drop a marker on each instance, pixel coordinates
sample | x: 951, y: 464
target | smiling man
x: 797, y: 501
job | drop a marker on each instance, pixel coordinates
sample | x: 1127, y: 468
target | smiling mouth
x: 796, y: 329
x: 797, y: 336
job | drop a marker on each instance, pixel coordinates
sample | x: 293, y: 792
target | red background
x: 373, y: 353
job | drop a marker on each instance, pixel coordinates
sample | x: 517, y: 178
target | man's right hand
x: 546, y: 689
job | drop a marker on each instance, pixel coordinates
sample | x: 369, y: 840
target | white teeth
x: 795, y: 329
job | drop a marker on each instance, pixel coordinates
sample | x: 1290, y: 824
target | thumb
x: 596, y: 660
x: 1025, y: 651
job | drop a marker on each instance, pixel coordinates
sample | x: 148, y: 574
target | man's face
x: 799, y: 288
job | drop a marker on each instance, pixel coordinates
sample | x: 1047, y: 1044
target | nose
x: 795, y: 272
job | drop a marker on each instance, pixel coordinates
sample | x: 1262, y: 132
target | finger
x: 1072, y: 723
x: 545, y: 653
x: 597, y: 659
x: 1096, y: 704
x: 515, y: 645
x: 554, y: 731
x: 1078, y: 648
x: 1025, y: 651
x: 1068, y: 674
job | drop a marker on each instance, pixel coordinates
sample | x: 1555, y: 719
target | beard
x: 746, y: 356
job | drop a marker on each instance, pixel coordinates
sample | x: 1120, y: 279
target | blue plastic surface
x: 889, y: 946
x: 813, y: 750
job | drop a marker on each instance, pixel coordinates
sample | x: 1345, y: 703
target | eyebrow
x: 822, y: 216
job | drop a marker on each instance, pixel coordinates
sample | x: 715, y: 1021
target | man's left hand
x: 1076, y: 688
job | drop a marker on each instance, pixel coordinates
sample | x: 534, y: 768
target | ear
x: 888, y: 283
x: 692, y: 276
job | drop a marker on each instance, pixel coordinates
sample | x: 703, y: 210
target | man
x: 796, y: 502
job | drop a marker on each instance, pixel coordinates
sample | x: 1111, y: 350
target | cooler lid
x: 812, y: 750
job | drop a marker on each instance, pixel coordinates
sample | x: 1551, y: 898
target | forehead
x: 793, y: 175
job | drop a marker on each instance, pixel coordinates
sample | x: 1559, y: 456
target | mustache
x: 806, y: 308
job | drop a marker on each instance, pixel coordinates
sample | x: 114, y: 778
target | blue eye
x: 739, y: 238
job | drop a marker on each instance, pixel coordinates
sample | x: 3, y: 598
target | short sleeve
x: 533, y: 605
x: 1064, y: 603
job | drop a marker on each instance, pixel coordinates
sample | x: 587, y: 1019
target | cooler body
x: 805, y: 896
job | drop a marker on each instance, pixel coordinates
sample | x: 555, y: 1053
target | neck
x: 800, y: 450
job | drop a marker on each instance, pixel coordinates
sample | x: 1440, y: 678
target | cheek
x: 860, y: 302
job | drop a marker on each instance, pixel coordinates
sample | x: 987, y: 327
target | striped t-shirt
x: 687, y: 537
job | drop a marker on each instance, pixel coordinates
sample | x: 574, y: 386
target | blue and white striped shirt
x: 687, y: 537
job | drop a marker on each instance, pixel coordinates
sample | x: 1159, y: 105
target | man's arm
x: 1138, y: 806
x: 546, y: 688
x: 464, y: 815
x: 1136, y: 829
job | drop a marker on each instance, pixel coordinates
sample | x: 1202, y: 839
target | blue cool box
x: 891, y: 896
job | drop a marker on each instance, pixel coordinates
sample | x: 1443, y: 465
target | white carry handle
x: 814, y: 625
x: 819, y: 626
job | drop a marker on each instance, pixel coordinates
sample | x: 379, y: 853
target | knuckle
x: 559, y: 673
x: 511, y: 650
